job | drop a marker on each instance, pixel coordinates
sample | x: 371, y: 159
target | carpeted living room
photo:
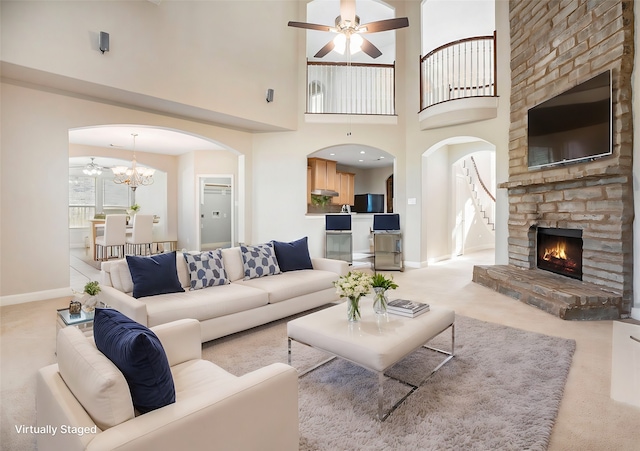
x: 537, y: 362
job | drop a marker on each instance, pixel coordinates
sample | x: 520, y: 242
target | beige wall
x: 203, y: 54
x: 34, y: 141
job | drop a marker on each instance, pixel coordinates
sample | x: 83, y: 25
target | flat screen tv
x: 574, y: 126
x: 388, y: 221
x: 337, y: 222
x: 368, y: 203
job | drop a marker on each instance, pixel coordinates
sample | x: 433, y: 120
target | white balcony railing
x: 351, y: 88
x: 459, y: 69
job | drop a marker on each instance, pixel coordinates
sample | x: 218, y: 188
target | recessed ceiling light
x: 362, y: 152
x: 381, y: 157
x: 332, y: 154
x: 360, y: 161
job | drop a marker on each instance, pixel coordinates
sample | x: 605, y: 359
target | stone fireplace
x: 593, y: 200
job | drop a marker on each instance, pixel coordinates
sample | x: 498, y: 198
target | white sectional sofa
x: 225, y: 309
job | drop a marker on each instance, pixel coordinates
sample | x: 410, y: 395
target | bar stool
x: 142, y: 235
x: 115, y: 235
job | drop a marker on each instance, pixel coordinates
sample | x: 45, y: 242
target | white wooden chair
x: 114, y: 238
x: 142, y: 235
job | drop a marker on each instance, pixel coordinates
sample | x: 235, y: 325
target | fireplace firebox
x: 560, y: 251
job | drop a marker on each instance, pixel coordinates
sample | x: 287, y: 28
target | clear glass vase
x: 380, y: 300
x: 353, y: 308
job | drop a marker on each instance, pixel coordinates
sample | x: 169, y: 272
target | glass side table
x: 82, y: 320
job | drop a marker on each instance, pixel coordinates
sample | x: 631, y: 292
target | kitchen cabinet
x: 345, y: 186
x: 323, y: 174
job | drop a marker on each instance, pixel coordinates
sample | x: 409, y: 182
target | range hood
x: 325, y: 192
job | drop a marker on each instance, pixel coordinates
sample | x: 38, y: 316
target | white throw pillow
x: 93, y: 379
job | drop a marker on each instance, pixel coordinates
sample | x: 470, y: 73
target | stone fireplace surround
x: 597, y: 204
x: 563, y: 44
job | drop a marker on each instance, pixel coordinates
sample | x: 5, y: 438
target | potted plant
x: 381, y: 284
x: 91, y: 290
x: 132, y: 210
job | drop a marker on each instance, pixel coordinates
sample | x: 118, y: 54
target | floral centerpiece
x: 132, y: 210
x: 353, y: 286
x: 381, y: 284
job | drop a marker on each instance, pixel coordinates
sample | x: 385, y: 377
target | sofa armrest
x: 125, y: 304
x: 256, y: 411
x: 181, y: 340
x: 340, y: 267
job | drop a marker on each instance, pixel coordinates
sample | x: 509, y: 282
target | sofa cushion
x: 292, y: 284
x: 93, y: 379
x: 293, y: 256
x: 206, y: 269
x: 138, y: 353
x: 259, y: 261
x: 233, y: 264
x: 194, y: 377
x: 202, y: 305
x: 153, y: 275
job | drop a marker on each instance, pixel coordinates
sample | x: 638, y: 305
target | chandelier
x: 92, y: 169
x: 134, y: 176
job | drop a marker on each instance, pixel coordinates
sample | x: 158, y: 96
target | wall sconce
x: 103, y: 42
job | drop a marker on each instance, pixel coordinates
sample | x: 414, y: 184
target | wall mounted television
x: 572, y: 127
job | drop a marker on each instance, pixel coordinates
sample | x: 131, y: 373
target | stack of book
x: 408, y: 308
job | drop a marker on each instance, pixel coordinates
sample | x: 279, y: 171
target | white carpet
x: 501, y: 391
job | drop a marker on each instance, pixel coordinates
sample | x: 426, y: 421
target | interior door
x: 216, y: 212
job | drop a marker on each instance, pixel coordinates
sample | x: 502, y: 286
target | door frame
x: 199, y: 197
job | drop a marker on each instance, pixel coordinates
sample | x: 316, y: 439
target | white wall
x: 445, y: 21
x: 203, y: 54
x: 35, y: 141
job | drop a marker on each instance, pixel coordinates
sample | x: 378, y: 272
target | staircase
x: 483, y: 199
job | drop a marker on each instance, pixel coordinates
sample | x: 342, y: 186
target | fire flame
x: 556, y: 252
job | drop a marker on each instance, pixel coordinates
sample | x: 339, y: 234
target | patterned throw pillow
x: 259, y: 260
x: 206, y: 269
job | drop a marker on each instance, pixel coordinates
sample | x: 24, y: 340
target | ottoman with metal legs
x: 375, y: 342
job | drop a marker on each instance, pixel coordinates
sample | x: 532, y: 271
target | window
x: 82, y: 200
x: 114, y: 195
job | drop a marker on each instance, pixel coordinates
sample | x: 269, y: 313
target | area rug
x: 501, y: 391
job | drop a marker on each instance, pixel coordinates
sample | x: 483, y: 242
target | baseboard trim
x: 23, y: 298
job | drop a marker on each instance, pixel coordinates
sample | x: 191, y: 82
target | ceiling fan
x: 348, y: 26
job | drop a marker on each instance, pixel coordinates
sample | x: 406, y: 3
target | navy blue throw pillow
x: 153, y: 275
x: 294, y: 255
x: 139, y: 355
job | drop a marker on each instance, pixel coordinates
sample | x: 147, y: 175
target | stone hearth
x: 565, y: 298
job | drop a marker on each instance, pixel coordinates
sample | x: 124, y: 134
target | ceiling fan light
x: 355, y: 43
x: 340, y: 43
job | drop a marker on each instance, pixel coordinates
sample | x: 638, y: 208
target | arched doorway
x: 458, y: 197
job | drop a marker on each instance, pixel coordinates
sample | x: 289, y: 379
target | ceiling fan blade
x: 348, y: 10
x: 324, y: 50
x: 309, y: 26
x: 385, y: 25
x: 370, y: 49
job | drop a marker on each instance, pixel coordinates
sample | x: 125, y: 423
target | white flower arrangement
x: 353, y: 285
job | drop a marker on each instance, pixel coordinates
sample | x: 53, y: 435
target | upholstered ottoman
x: 373, y: 343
